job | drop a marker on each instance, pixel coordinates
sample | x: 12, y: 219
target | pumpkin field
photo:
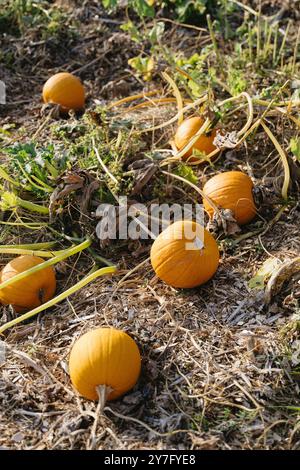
x: 149, y: 225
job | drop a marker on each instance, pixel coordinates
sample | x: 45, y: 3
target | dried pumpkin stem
x: 180, y: 178
x: 174, y: 119
x: 58, y: 298
x: 250, y: 109
x: 103, y: 391
x: 292, y: 103
x: 56, y: 259
x: 132, y: 98
x: 155, y: 102
x: 214, y: 42
x: 176, y: 94
x: 103, y: 164
x: 284, y: 160
x: 194, y: 139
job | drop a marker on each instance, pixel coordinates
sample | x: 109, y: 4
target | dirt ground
x: 219, y: 367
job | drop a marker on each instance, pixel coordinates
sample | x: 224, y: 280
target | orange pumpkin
x: 231, y: 190
x: 65, y: 90
x: 187, y: 129
x: 104, y: 357
x: 31, y: 291
x: 185, y: 255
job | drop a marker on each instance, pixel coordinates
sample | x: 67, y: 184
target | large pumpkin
x: 104, y: 357
x: 31, y: 291
x: 65, y: 90
x: 231, y: 190
x: 185, y: 255
x: 187, y: 129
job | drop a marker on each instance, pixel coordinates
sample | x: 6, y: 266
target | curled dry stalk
x: 128, y: 99
x: 154, y: 102
x: 194, y: 139
x: 177, y: 95
x: 204, y: 127
x: 192, y: 105
x: 79, y: 285
x: 104, y: 167
x: 204, y: 196
x: 282, y: 274
x: 284, y: 160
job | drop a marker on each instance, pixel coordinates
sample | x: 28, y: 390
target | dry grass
x: 217, y: 369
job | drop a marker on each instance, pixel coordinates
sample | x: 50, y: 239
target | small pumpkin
x: 231, y: 190
x: 185, y: 255
x: 187, y: 129
x: 104, y: 357
x: 30, y: 292
x: 66, y: 90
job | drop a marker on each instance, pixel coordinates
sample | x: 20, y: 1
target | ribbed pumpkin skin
x: 187, y: 130
x: 30, y: 292
x: 231, y: 190
x: 176, y: 264
x: 65, y: 90
x: 104, y: 356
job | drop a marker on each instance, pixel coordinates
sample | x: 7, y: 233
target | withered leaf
x: 71, y: 182
x: 143, y: 171
x: 224, y: 220
x: 284, y: 273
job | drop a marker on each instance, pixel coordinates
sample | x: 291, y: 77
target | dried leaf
x: 263, y: 274
x: 228, y: 140
x: 225, y: 220
x: 143, y: 171
x: 71, y: 182
x: 284, y: 273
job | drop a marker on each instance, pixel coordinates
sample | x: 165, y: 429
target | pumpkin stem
x: 132, y: 98
x: 204, y: 196
x: 177, y: 95
x: 103, y: 391
x: 194, y: 104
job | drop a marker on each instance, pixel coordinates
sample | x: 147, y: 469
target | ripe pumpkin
x: 65, y: 90
x: 231, y: 190
x: 31, y: 291
x: 104, y: 357
x: 185, y: 255
x: 187, y: 129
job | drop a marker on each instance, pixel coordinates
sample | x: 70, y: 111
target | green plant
x: 295, y: 147
x: 35, y: 168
